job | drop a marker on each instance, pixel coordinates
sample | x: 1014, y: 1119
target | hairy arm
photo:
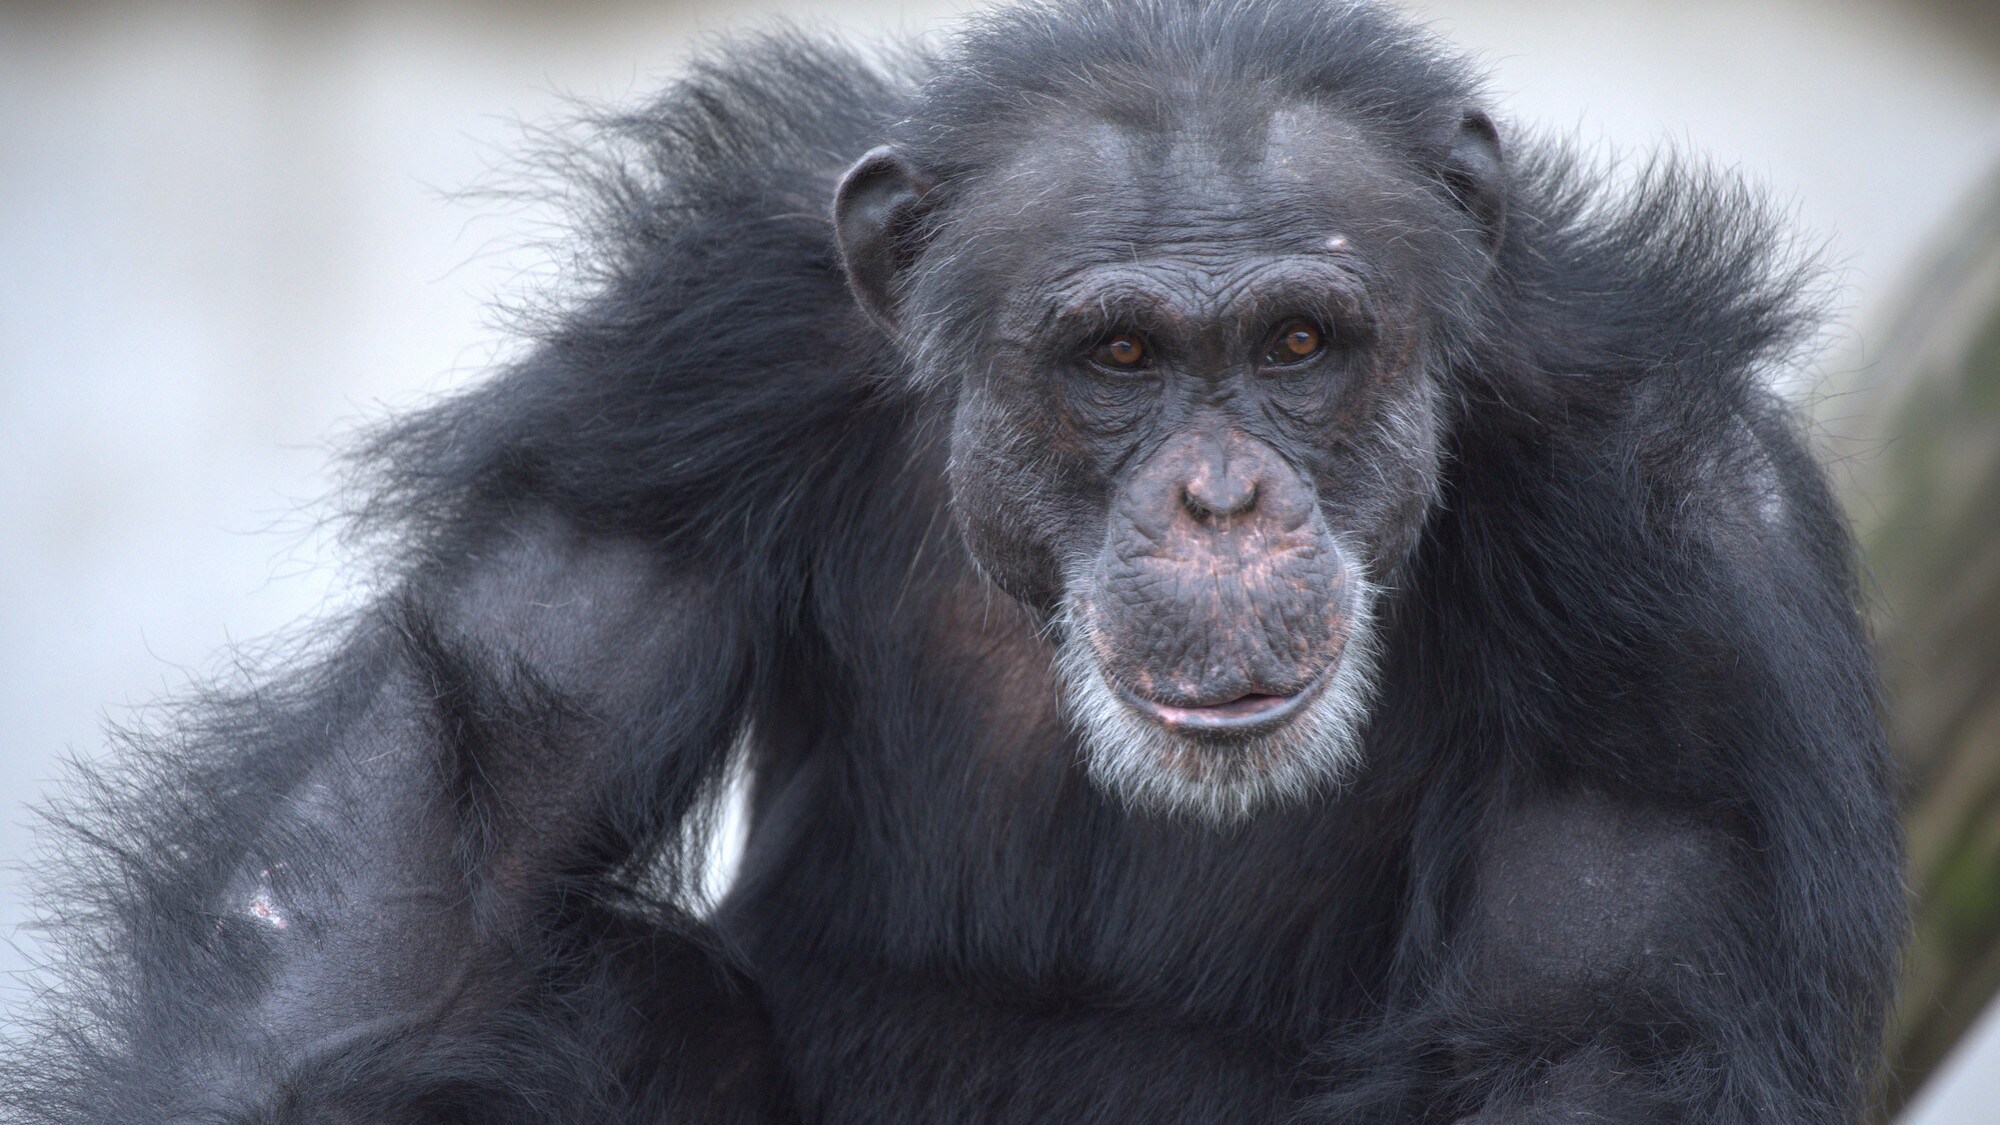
x: 1659, y: 879
x: 404, y: 888
x: 399, y: 884
x: 1604, y: 945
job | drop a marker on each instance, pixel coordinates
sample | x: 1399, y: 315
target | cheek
x: 1015, y: 499
x: 1380, y: 485
x: 1103, y: 408
x: 1313, y: 403
x: 1335, y: 403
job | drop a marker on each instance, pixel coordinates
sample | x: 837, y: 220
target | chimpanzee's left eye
x: 1294, y: 341
x: 1126, y: 351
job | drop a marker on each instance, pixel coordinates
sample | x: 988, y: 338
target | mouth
x: 1251, y: 713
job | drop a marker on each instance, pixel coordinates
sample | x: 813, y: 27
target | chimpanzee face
x: 1195, y: 427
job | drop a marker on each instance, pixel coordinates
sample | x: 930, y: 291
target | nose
x: 1221, y: 487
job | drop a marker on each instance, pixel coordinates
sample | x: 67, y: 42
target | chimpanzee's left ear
x: 1476, y: 175
x: 875, y: 221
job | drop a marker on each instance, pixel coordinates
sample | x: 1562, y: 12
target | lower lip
x: 1249, y: 714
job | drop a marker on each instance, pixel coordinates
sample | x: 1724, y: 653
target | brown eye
x: 1294, y: 341
x: 1123, y: 352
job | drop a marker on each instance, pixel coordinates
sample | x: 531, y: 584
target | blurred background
x: 230, y: 231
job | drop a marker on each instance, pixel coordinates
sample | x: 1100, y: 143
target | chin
x: 1220, y: 773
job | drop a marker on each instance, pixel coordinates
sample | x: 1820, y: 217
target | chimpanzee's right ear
x: 875, y: 213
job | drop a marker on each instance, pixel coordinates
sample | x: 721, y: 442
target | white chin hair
x: 1214, y: 779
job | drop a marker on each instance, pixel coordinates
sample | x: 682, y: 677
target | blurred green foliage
x: 1924, y: 492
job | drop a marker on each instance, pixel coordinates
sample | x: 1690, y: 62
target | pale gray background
x: 228, y: 231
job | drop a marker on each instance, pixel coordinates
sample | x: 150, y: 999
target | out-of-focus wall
x: 226, y: 232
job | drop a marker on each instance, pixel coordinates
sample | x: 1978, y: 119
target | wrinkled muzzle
x: 1217, y: 582
x: 1216, y: 652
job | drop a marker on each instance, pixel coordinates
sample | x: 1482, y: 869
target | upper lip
x: 1246, y: 714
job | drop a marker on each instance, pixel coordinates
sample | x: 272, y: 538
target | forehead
x: 1207, y: 190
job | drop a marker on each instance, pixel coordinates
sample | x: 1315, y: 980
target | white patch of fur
x: 1215, y: 780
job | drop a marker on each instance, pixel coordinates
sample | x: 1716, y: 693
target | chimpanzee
x: 1245, y: 592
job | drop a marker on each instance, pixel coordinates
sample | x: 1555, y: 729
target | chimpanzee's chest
x: 1017, y: 947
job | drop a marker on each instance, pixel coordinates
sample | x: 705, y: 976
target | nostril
x: 1207, y: 504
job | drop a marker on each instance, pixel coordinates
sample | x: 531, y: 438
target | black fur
x: 437, y: 871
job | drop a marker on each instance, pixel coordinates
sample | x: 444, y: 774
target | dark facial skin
x: 1194, y: 423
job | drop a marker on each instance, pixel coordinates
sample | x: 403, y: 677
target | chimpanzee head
x: 1194, y: 313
